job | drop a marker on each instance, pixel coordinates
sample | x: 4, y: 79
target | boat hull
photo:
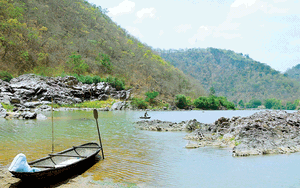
x: 62, y: 163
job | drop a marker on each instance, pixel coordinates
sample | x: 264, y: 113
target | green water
x: 145, y: 158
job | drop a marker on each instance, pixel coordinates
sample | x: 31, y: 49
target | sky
x: 267, y: 30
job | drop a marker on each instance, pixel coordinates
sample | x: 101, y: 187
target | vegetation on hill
x: 67, y: 37
x: 233, y: 75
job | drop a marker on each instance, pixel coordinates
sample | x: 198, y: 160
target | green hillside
x: 60, y: 37
x: 234, y: 75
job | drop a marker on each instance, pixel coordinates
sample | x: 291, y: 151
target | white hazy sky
x: 267, y: 30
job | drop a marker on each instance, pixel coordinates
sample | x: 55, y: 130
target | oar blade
x: 95, y: 114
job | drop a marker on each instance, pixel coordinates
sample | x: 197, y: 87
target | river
x: 144, y: 158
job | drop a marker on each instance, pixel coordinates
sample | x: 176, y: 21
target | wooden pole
x: 96, y: 118
x: 52, y: 126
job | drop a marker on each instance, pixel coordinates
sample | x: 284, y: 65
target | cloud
x: 241, y: 8
x: 183, y: 28
x: 145, y: 13
x: 123, y: 8
x: 202, y: 33
x: 134, y: 31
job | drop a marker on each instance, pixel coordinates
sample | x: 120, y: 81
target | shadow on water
x: 58, y: 180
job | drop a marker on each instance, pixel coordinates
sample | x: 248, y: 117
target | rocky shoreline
x: 265, y: 132
x: 31, y: 93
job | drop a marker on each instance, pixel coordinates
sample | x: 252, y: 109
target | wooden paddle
x: 96, y: 118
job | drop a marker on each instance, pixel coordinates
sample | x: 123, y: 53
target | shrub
x: 151, y: 96
x: 76, y: 64
x: 5, y: 76
x: 116, y: 83
x: 139, y: 103
x: 97, y: 79
x: 272, y: 103
x: 181, y: 101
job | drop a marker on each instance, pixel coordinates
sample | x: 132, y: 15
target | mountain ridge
x: 234, y: 75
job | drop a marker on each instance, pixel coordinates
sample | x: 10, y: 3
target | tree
x: 212, y: 91
x: 181, y: 101
x: 151, y: 96
x: 241, y: 103
x: 272, y: 103
x: 253, y: 103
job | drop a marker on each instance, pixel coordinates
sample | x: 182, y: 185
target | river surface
x: 145, y: 158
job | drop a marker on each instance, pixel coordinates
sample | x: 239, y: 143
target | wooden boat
x: 143, y: 117
x: 61, y: 162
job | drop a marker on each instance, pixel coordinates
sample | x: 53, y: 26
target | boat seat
x: 67, y: 162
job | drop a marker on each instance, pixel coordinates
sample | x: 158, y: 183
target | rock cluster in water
x: 265, y: 132
x: 157, y: 125
x: 30, y: 91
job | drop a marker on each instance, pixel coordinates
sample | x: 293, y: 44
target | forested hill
x: 234, y: 75
x: 294, y: 72
x: 58, y: 37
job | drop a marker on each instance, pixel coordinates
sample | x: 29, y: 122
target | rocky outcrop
x: 67, y: 90
x: 265, y: 132
x: 31, y: 91
x: 157, y: 125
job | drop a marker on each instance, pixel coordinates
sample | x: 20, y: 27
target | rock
x: 103, y: 97
x: 29, y: 115
x: 192, y: 125
x: 3, y: 112
x: 41, y: 117
x: 32, y: 104
x: 15, y: 100
x: 43, y: 108
x: 265, y: 132
x: 118, y: 106
x: 104, y: 109
x: 12, y: 115
x: 25, y: 89
x: 157, y: 125
x: 192, y: 145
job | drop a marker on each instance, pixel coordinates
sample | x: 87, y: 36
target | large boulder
x: 118, y: 106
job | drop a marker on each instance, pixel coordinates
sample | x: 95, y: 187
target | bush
x: 253, y: 103
x: 213, y: 103
x: 116, y: 83
x: 272, y: 104
x: 76, y: 64
x: 5, y: 76
x: 113, y: 81
x: 139, y: 103
x: 181, y: 101
x: 97, y: 79
x: 151, y: 96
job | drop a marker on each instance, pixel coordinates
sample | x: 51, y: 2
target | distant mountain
x: 294, y: 72
x: 234, y: 75
x: 54, y: 38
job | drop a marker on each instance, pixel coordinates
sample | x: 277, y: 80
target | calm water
x: 148, y: 159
